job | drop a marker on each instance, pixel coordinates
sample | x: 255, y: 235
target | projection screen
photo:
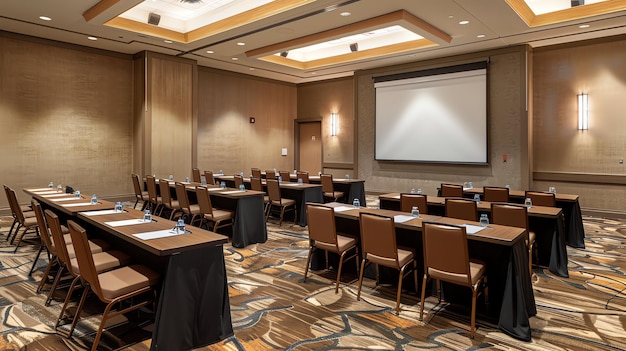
x: 435, y: 116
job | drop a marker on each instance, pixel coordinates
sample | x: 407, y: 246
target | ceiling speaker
x: 154, y: 19
x: 354, y: 47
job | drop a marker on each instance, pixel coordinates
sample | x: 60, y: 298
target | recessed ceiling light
x: 45, y: 18
x: 210, y: 51
x: 235, y: 59
x: 480, y: 36
x: 583, y: 26
x: 92, y: 38
x: 345, y: 14
x: 241, y: 43
x: 167, y: 41
x: 464, y: 22
x: 450, y: 16
x: 252, y: 68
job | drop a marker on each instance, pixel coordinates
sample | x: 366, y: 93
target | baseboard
x: 603, y: 213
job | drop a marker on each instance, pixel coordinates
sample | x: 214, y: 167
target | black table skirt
x: 302, y: 196
x: 194, y: 307
x: 249, y: 227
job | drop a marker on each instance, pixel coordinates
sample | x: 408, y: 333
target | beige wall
x: 316, y: 101
x: 581, y: 162
x: 65, y: 116
x: 508, y: 129
x: 226, y: 138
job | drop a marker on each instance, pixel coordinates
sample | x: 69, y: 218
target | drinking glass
x: 528, y: 202
x: 147, y: 216
x: 51, y: 185
x: 118, y: 207
x: 347, y: 177
x: 484, y: 221
x: 77, y: 194
x: 413, y: 191
x: 94, y: 199
x: 470, y: 185
x: 477, y: 198
x: 552, y: 190
x: 356, y: 203
x: 415, y: 212
x: 171, y: 177
x: 300, y: 181
x: 419, y: 191
x: 59, y: 188
x: 242, y: 187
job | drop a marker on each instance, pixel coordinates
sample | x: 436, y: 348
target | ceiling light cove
x: 385, y: 35
x: 545, y: 12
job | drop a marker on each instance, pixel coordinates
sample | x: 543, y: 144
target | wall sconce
x: 583, y: 111
x: 333, y: 124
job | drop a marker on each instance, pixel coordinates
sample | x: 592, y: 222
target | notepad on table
x: 126, y: 222
x: 77, y: 204
x: 156, y: 234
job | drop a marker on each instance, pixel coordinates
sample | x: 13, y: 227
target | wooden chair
x: 208, y: 177
x: 378, y: 241
x: 238, y: 180
x: 27, y: 225
x: 257, y: 185
x: 285, y: 175
x: 446, y: 259
x: 167, y: 203
x: 515, y: 216
x: 323, y: 235
x: 451, y: 190
x: 540, y: 198
x: 462, y: 209
x: 140, y: 195
x: 256, y: 173
x: 304, y: 176
x: 190, y: 211
x: 219, y: 218
x: 44, y: 233
x: 195, y: 175
x: 408, y: 201
x: 113, y: 287
x: 270, y: 174
x: 153, y: 198
x: 328, y: 188
x: 496, y: 194
x: 273, y: 189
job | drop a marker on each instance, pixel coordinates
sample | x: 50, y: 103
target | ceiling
x: 492, y: 24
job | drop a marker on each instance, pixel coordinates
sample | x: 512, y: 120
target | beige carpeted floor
x: 273, y: 309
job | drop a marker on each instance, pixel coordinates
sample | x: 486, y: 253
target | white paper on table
x: 57, y: 195
x: 126, y: 222
x: 45, y: 192
x: 343, y: 208
x: 42, y: 189
x: 98, y: 213
x: 472, y: 229
x: 78, y: 204
x: 290, y: 184
x: 156, y: 234
x: 233, y: 192
x: 214, y: 189
x: 402, y: 218
x: 66, y: 199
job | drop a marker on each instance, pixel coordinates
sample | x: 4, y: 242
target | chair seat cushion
x: 174, y: 204
x: 477, y: 270
x: 404, y: 257
x: 219, y: 215
x: 334, y: 195
x: 96, y: 245
x: 127, y: 279
x: 105, y: 261
x: 195, y: 209
x: 284, y: 202
x: 343, y: 243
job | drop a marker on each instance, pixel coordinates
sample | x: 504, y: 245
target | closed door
x: 310, y: 146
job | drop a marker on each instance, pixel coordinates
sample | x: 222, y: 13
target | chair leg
x: 343, y: 254
x: 308, y: 261
x: 358, y: 294
x: 32, y: 268
x: 473, y: 320
x: 11, y: 230
x: 135, y: 205
x: 399, y: 293
x: 54, y: 285
x: 282, y: 213
x: 424, y: 282
x: 42, y: 283
x: 530, y: 259
x: 67, y: 300
x: 83, y: 298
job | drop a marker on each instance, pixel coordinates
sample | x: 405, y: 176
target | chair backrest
x: 181, y: 196
x: 208, y: 176
x: 540, y: 198
x: 16, y: 209
x: 195, y: 174
x: 273, y: 190
x: 451, y: 190
x: 255, y: 184
x: 509, y: 215
x: 321, y: 223
x: 166, y: 196
x: 6, y: 193
x: 496, y: 194
x: 44, y: 232
x: 204, y: 200
x: 303, y: 175
x: 270, y: 174
x: 285, y: 175
x: 256, y: 173
x: 461, y: 209
x: 378, y: 239
x: 88, y: 272
x: 137, y: 187
x: 327, y: 183
x: 59, y: 240
x: 408, y: 201
x: 238, y: 180
x: 152, y: 189
x: 445, y: 250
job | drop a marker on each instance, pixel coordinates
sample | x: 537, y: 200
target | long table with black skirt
x: 351, y: 188
x: 502, y: 248
x: 194, y: 307
x: 546, y: 222
x: 574, y: 229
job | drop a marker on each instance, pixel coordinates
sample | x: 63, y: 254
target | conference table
x: 502, y: 248
x: 193, y: 308
x: 249, y: 221
x: 546, y: 222
x: 574, y: 229
x: 300, y: 192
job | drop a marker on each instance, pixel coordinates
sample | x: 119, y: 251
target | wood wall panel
x: 226, y: 139
x: 508, y: 130
x: 596, y: 67
x: 66, y: 117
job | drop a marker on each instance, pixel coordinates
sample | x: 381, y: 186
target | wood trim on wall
x: 339, y: 165
x: 580, y: 177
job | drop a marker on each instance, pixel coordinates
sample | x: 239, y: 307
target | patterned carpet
x: 273, y: 309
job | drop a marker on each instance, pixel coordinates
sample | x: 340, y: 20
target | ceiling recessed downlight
x: 241, y: 43
x: 167, y: 41
x: 583, y: 26
x: 45, y: 18
x: 345, y: 14
x: 480, y: 36
x: 92, y: 38
x: 464, y: 22
x: 210, y: 51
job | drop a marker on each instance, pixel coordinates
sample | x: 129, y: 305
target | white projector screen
x: 435, y: 117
